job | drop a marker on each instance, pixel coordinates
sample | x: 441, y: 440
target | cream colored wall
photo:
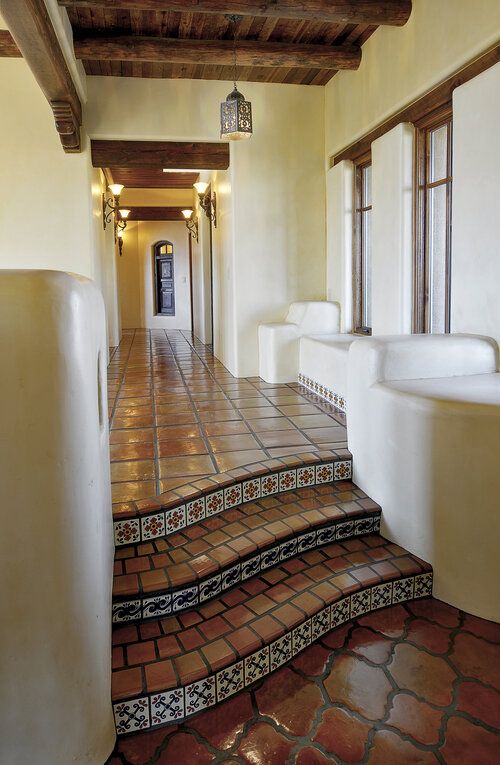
x: 136, y: 275
x: 157, y: 197
x: 339, y: 184
x: 270, y: 240
x: 475, y: 268
x: 399, y: 64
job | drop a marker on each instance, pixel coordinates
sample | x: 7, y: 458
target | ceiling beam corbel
x: 33, y: 33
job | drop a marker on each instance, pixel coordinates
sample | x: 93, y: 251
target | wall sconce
x: 121, y: 219
x: 191, y: 223
x: 207, y: 202
x: 111, y: 206
x: 119, y: 237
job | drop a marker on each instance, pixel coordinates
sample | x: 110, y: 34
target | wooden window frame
x: 421, y: 297
x: 357, y: 245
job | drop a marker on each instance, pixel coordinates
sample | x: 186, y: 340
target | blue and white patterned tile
x: 363, y: 526
x: 153, y: 526
x: 167, y: 707
x: 127, y: 532
x: 159, y: 605
x: 214, y: 503
x: 320, y: 623
x: 301, y: 636
x: 287, y: 480
x: 269, y: 558
x: 423, y: 585
x: 269, y: 484
x: 251, y: 490
x: 345, y: 529
x: 231, y: 577
x: 257, y: 665
x: 232, y: 496
x: 306, y: 542
x: 342, y: 470
x: 127, y: 611
x: 280, y: 651
x: 175, y: 519
x: 131, y: 715
x: 250, y: 567
x: 382, y: 595
x: 199, y: 695
x: 376, y: 524
x: 306, y: 476
x: 288, y: 549
x: 341, y: 612
x: 360, y: 603
x: 402, y: 589
x: 230, y: 681
x: 195, y: 511
x: 324, y: 473
x: 326, y: 535
x: 183, y: 599
x: 210, y: 587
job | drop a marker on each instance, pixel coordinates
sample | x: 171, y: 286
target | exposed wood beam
x: 8, y: 48
x: 392, y: 12
x: 32, y: 30
x: 168, y: 154
x: 156, y: 213
x: 220, y: 52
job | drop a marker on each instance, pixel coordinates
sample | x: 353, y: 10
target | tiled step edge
x: 174, y: 705
x: 173, y: 601
x: 168, y: 513
x: 323, y: 392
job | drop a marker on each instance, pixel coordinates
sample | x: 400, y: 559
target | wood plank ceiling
x: 94, y: 20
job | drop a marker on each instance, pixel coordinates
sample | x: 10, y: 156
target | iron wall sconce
x: 208, y: 202
x: 119, y: 236
x: 111, y: 207
x: 191, y: 223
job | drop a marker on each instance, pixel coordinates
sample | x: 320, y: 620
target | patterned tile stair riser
x: 174, y: 705
x: 323, y: 392
x: 180, y: 600
x: 160, y: 524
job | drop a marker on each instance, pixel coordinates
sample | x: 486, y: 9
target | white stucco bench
x: 323, y: 366
x: 279, y: 342
x: 424, y: 431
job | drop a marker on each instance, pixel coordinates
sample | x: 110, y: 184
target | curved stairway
x: 216, y: 586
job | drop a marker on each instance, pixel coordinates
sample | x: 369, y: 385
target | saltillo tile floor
x: 415, y: 684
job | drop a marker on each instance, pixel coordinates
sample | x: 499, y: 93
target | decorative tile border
x: 157, y: 709
x: 321, y: 390
x: 161, y: 523
x: 174, y: 601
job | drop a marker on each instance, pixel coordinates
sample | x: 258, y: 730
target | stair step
x: 168, y: 669
x: 169, y: 575
x: 167, y: 513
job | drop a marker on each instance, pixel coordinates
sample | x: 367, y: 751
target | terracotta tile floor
x: 176, y: 413
x: 414, y: 684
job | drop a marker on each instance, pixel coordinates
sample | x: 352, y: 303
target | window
x: 163, y: 254
x: 362, y: 247
x: 433, y: 225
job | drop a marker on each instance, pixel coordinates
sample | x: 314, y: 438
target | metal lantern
x: 235, y: 116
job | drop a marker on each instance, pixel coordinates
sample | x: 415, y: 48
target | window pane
x: 367, y: 186
x: 438, y: 154
x: 367, y: 269
x: 436, y: 247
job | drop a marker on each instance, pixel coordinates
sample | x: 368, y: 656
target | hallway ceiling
x: 128, y: 38
x: 152, y: 178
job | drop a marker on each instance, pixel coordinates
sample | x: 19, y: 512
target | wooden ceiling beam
x: 161, y: 154
x: 8, y: 48
x: 155, y: 213
x: 34, y: 35
x: 220, y: 52
x: 391, y: 12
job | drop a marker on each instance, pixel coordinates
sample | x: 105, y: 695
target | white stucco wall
x: 392, y: 227
x: 339, y: 228
x: 136, y: 275
x: 56, y: 545
x: 475, y: 270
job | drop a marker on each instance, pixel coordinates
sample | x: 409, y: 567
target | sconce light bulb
x: 187, y: 214
x: 201, y: 187
x: 116, y: 189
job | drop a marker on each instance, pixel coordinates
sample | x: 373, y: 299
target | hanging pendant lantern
x: 235, y: 112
